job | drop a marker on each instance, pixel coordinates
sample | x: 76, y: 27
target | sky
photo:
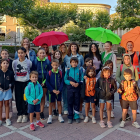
x: 112, y: 3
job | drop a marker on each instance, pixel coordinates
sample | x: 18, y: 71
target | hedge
x: 11, y: 49
x: 121, y: 50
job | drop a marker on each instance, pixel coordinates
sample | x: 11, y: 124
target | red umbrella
x: 50, y: 38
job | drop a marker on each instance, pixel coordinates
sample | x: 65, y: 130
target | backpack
x: 60, y: 72
x: 29, y: 88
x: 121, y: 67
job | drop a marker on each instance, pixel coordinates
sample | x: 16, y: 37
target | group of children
x: 50, y: 77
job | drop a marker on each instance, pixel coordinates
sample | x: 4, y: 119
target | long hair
x: 60, y: 59
x: 97, y: 53
x: 61, y: 46
x: 47, y: 53
x: 69, y: 48
x: 23, y: 42
x: 91, y: 69
x: 86, y: 60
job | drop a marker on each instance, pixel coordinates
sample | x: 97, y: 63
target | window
x: 2, y: 33
x: 19, y: 34
x: 3, y: 18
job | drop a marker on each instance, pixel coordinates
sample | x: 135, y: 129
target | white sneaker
x: 122, y: 124
x: 81, y: 116
x: 112, y: 114
x: 61, y: 120
x: 66, y: 112
x: 104, y: 116
x: 93, y: 120
x: 90, y: 115
x: 24, y: 119
x: 49, y: 120
x: 86, y: 120
x: 8, y: 122
x: 135, y: 124
x: 19, y: 120
x: 0, y: 122
x: 138, y: 112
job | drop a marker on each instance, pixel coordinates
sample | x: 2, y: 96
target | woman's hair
x: 4, y: 50
x: 34, y: 72
x: 2, y: 60
x: 109, y: 42
x: 131, y: 42
x: 69, y: 48
x: 91, y: 69
x: 23, y: 42
x: 106, y: 68
x: 109, y: 62
x: 23, y: 49
x: 97, y: 53
x: 47, y: 46
x: 60, y: 59
x: 63, y: 45
x: 86, y: 60
x: 127, y: 72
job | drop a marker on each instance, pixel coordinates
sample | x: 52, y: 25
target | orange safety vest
x: 90, y: 86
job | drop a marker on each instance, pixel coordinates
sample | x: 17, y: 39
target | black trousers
x: 73, y: 102
x: 21, y: 105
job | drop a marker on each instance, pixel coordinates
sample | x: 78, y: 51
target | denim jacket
x: 67, y: 61
x: 32, y: 56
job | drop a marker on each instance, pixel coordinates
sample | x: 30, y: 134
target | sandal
x: 109, y: 123
x: 102, y: 125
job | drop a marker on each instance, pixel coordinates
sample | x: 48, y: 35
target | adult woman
x: 73, y: 51
x: 95, y: 55
x: 48, y: 55
x: 63, y: 49
x: 30, y: 54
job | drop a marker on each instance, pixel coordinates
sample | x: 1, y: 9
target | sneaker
x: 135, y: 124
x: 81, y: 116
x: 122, y: 124
x: 109, y: 124
x: 0, y: 122
x: 19, y: 120
x: 77, y: 120
x: 32, y: 127
x: 40, y: 124
x: 70, y: 121
x: 60, y: 119
x: 104, y: 116
x: 8, y: 122
x: 24, y: 119
x: 55, y: 112
x: 90, y: 115
x: 112, y: 114
x: 86, y: 120
x: 65, y: 112
x: 42, y: 116
x: 138, y: 112
x: 102, y: 124
x: 93, y: 120
x: 49, y: 120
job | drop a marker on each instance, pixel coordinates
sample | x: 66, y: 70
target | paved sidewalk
x: 81, y: 131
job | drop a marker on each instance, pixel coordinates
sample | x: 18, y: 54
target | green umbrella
x: 102, y: 35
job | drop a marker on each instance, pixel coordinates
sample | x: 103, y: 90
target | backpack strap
x: 50, y: 72
x: 60, y: 72
x: 121, y: 67
x: 29, y: 88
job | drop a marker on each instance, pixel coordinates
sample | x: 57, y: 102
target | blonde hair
x: 23, y: 42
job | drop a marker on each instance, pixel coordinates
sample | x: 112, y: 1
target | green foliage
x: 11, y: 49
x: 121, y: 50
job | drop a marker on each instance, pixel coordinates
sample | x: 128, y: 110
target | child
x: 88, y: 62
x: 73, y: 79
x: 54, y: 82
x: 6, y: 82
x: 105, y: 88
x: 90, y: 93
x: 43, y: 66
x: 108, y: 54
x: 120, y: 72
x: 129, y: 91
x: 34, y: 93
x: 21, y: 68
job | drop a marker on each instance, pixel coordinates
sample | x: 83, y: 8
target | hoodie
x: 119, y: 74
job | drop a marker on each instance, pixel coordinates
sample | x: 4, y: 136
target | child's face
x: 127, y: 60
x: 41, y: 54
x: 5, y: 65
x: 46, y: 48
x: 74, y: 64
x: 57, y: 55
x: 127, y: 77
x: 4, y: 55
x: 107, y: 47
x: 63, y: 49
x: 73, y: 48
x: 34, y: 78
x: 89, y: 63
x: 106, y: 74
x: 21, y: 54
x: 55, y: 66
x: 26, y: 44
x: 90, y: 73
x: 130, y: 46
x: 110, y: 66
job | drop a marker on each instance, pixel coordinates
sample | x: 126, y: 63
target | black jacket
x: 6, y: 79
x: 105, y: 89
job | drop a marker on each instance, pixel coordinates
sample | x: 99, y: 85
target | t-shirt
x: 96, y: 63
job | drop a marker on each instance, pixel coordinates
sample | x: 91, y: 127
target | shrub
x: 11, y: 49
x: 121, y: 50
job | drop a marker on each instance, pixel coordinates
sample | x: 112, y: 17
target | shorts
x: 89, y: 99
x: 133, y: 104
x: 6, y: 95
x: 33, y: 108
x: 120, y: 96
x: 53, y: 97
x: 104, y: 101
x: 40, y: 82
